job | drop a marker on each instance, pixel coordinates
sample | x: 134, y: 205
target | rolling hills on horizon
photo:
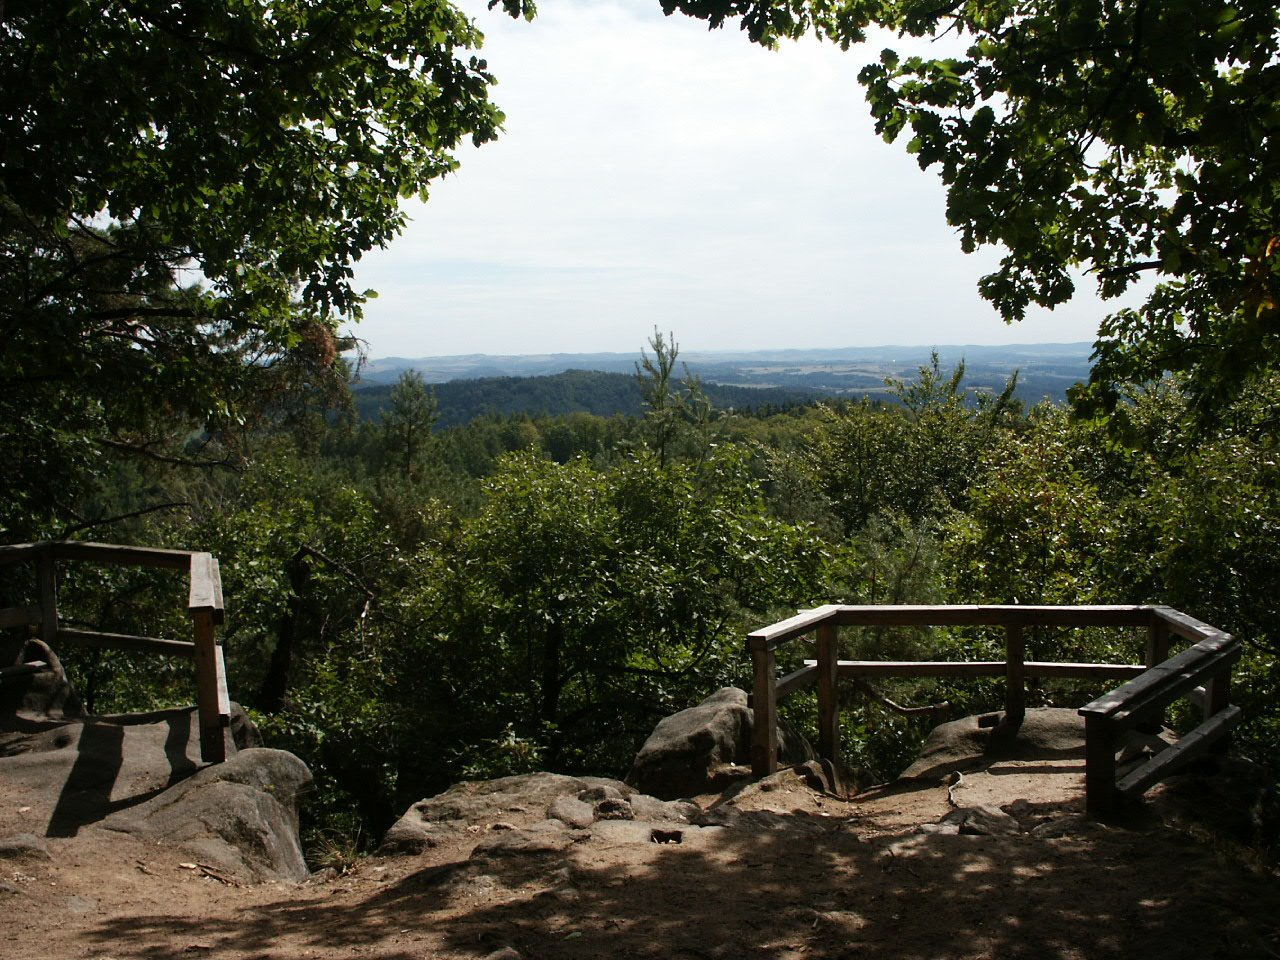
x: 473, y: 385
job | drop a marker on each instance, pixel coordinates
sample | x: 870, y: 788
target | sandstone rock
x: 46, y: 695
x: 572, y: 811
x: 1045, y: 733
x: 241, y: 815
x: 983, y: 821
x: 548, y: 836
x: 653, y: 810
x: 23, y: 846
x: 704, y: 748
x: 614, y: 808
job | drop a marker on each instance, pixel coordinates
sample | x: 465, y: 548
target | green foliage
x: 173, y: 256
x: 1121, y: 138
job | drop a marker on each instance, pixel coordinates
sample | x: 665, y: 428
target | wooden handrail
x: 1146, y: 690
x: 204, y: 604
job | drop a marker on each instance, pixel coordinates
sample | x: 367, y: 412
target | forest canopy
x: 1122, y: 138
x: 183, y: 191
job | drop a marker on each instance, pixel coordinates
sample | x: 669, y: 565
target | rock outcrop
x: 537, y: 813
x: 240, y: 815
x: 705, y: 748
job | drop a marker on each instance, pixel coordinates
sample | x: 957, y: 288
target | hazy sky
x: 655, y: 173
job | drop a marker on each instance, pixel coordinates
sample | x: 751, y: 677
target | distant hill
x: 602, y: 383
x: 574, y: 391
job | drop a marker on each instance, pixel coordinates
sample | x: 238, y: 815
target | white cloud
x: 653, y: 173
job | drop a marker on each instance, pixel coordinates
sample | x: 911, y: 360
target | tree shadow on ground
x: 812, y: 888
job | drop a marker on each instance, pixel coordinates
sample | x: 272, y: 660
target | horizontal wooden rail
x: 1201, y: 673
x: 204, y: 605
x: 20, y: 617
x: 978, y: 668
x: 125, y: 556
x: 958, y: 615
x: 125, y: 641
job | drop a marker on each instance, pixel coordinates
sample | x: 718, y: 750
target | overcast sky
x: 655, y: 173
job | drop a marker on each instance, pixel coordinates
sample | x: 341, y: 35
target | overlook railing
x: 204, y: 605
x: 1202, y: 672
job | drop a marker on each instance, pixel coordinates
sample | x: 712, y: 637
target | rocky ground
x: 996, y: 863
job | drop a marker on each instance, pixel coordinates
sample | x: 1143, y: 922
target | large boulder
x: 705, y: 748
x: 45, y: 694
x: 966, y: 744
x: 241, y: 816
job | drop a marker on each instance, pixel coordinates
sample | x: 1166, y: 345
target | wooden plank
x: 918, y: 668
x: 19, y: 617
x: 806, y: 621
x: 18, y: 553
x: 764, y: 703
x: 1084, y: 671
x: 205, y: 591
x: 994, y: 615
x: 1197, y: 743
x: 1167, y: 681
x: 1099, y: 765
x: 1015, y: 689
x: 1185, y: 626
x: 113, y: 553
x: 22, y: 670
x: 47, y: 574
x: 983, y: 668
x: 796, y: 680
x: 1157, y: 641
x: 124, y: 641
x: 828, y: 695
x: 209, y: 689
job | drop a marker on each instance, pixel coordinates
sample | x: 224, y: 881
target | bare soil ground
x: 814, y: 876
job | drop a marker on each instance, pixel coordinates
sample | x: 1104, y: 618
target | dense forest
x: 184, y: 189
x: 409, y: 606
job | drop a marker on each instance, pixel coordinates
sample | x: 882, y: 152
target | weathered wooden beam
x: 828, y: 695
x: 1099, y: 765
x: 124, y: 641
x: 764, y: 704
x: 1166, y: 682
x: 128, y: 556
x: 1083, y: 671
x: 211, y: 690
x: 22, y: 670
x: 996, y: 615
x: 18, y: 553
x: 918, y: 668
x: 1200, y: 741
x: 1015, y: 684
x: 973, y: 668
x: 19, y: 617
x: 806, y: 621
x: 47, y: 575
x: 796, y: 680
x: 1184, y: 625
x: 205, y: 593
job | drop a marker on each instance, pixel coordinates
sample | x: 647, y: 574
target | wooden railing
x: 1149, y: 688
x: 204, y: 605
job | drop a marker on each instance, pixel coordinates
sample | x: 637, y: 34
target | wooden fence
x: 204, y: 605
x: 1202, y: 672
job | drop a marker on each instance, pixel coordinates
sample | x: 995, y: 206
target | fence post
x: 828, y: 695
x: 764, y: 702
x: 1099, y: 766
x: 1157, y: 642
x: 213, y: 706
x: 1217, y: 697
x: 46, y: 571
x: 1015, y: 694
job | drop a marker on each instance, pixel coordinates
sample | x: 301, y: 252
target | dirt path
x: 810, y: 876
